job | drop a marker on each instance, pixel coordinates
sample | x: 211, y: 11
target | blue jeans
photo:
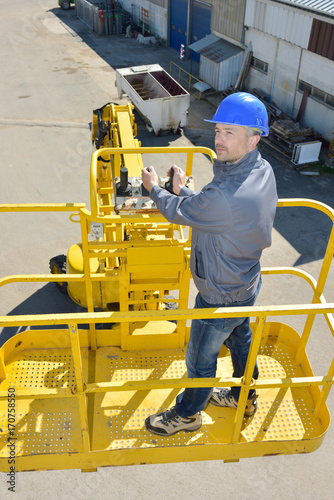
x: 207, y: 337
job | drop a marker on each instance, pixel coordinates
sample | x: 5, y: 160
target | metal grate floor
x: 116, y: 419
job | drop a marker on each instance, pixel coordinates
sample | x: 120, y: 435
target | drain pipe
x: 274, y: 72
x: 243, y: 27
x: 189, y: 34
x: 168, y: 22
x: 297, y: 79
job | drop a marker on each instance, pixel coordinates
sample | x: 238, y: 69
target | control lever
x: 169, y: 183
x: 123, y: 188
x: 144, y: 191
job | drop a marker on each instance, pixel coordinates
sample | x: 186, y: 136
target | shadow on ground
x: 46, y: 300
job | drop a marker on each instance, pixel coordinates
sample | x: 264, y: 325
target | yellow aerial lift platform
x: 75, y: 397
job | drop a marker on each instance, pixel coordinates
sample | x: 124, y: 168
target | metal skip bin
x: 160, y: 100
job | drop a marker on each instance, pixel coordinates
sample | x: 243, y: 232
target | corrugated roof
x: 325, y: 6
x: 214, y: 48
x: 203, y: 42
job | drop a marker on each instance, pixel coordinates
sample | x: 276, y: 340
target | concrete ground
x: 55, y: 71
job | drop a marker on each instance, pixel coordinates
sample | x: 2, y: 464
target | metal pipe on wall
x: 274, y: 72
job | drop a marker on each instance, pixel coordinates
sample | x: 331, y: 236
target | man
x: 232, y: 219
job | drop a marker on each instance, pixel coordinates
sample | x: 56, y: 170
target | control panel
x: 133, y: 197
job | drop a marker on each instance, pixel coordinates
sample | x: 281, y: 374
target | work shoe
x: 170, y: 422
x: 223, y: 397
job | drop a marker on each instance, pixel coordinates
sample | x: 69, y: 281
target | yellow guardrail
x: 118, y: 153
x: 186, y: 79
x: 81, y: 388
x: 116, y: 398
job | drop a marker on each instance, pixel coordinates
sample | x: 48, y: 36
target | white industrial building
x: 292, y: 43
x: 153, y: 12
x: 284, y: 37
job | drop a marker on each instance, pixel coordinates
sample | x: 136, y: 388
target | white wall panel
x: 292, y: 64
x: 279, y: 21
x: 264, y: 48
x: 318, y: 71
x: 284, y: 89
x: 316, y: 115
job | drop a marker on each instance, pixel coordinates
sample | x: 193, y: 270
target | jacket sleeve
x: 185, y: 191
x: 207, y: 211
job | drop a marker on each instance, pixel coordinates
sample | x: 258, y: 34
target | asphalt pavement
x: 55, y: 71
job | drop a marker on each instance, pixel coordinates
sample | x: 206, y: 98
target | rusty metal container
x: 159, y: 99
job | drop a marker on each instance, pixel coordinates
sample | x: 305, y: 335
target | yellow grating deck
x: 48, y: 430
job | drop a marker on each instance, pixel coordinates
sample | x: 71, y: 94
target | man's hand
x: 179, y: 178
x: 149, y: 178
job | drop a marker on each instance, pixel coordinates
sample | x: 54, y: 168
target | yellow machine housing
x: 113, y: 126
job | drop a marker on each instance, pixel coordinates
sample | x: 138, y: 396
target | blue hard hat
x: 242, y: 109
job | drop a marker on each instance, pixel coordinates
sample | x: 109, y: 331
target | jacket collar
x: 246, y: 163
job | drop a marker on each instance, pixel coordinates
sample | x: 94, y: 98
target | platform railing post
x: 76, y: 357
x: 248, y: 376
x: 328, y: 259
x: 324, y: 392
x: 88, y: 281
x: 317, y: 294
x: 183, y: 304
x: 80, y: 385
x: 3, y: 374
x: 82, y: 401
x: 190, y: 159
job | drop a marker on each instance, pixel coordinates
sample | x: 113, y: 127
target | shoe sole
x: 248, y: 413
x: 164, y: 434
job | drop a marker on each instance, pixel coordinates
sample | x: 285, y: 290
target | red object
x: 182, y: 51
x: 302, y: 105
x: 101, y: 16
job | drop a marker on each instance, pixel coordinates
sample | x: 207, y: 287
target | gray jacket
x: 232, y: 219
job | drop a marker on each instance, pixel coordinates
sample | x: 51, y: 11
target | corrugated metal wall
x: 322, y: 39
x: 86, y: 12
x: 326, y: 6
x: 287, y: 24
x: 227, y: 18
x: 220, y: 76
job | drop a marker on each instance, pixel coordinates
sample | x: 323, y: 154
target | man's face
x: 233, y: 142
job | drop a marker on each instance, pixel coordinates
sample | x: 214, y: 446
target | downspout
x: 168, y: 22
x: 274, y: 72
x: 189, y: 18
x: 242, y: 34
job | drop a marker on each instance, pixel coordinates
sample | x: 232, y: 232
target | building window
x: 260, y: 65
x: 330, y: 100
x: 317, y: 94
x: 304, y: 86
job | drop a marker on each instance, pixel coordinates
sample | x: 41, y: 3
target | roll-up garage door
x: 200, y: 23
x: 178, y: 23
